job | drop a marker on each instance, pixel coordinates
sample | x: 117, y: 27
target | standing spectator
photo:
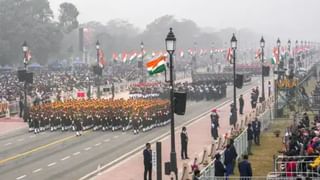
x: 21, y: 107
x: 256, y: 125
x: 245, y: 168
x: 230, y: 156
x: 241, y: 104
x: 184, y: 143
x: 219, y: 169
x: 147, y: 160
x: 257, y: 91
x: 214, y: 124
x: 269, y: 88
x: 253, y: 99
x: 306, y: 120
x: 232, y: 118
x: 250, y: 138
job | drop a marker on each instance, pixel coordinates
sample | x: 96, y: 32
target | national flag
x: 114, y: 57
x: 102, y: 60
x: 190, y: 52
x: 153, y: 54
x: 28, y: 57
x: 133, y: 56
x: 124, y: 57
x: 275, y: 58
x: 258, y: 54
x: 156, y: 65
x: 181, y: 54
x: 230, y: 55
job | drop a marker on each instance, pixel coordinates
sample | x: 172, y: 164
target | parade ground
x: 57, y: 155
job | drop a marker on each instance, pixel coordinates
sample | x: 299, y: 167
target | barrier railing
x: 265, y: 115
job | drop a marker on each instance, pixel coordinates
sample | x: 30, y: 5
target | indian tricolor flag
x: 156, y: 65
x: 275, y: 58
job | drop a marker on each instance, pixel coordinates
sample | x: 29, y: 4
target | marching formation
x: 78, y: 115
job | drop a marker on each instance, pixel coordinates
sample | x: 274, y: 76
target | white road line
x: 21, y: 177
x: 76, y: 153
x: 37, y: 170
x: 20, y: 139
x: 9, y: 143
x: 65, y: 158
x: 32, y: 136
x: 87, y: 149
x: 98, y: 144
x: 52, y: 164
x: 115, y: 137
x: 106, y: 140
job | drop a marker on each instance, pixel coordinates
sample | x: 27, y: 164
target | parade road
x: 62, y: 155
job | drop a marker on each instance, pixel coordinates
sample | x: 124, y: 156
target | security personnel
x: 256, y: 126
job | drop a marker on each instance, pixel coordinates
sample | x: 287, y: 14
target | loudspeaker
x: 140, y: 65
x: 167, y: 168
x: 22, y: 75
x: 180, y: 99
x: 265, y: 70
x: 239, y: 81
x: 29, y: 77
x: 97, y: 70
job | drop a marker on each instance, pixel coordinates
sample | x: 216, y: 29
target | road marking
x: 106, y: 140
x: 87, y: 149
x: 98, y: 144
x: 9, y: 143
x: 65, y: 158
x: 76, y: 153
x: 115, y: 137
x: 124, y: 158
x: 20, y: 139
x: 37, y: 170
x: 32, y: 136
x: 21, y: 177
x: 38, y: 148
x: 52, y: 164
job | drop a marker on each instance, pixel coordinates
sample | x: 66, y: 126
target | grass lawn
x: 262, y: 158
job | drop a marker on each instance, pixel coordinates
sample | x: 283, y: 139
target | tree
x: 68, y: 17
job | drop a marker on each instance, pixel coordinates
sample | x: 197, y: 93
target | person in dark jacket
x: 147, y: 160
x: 250, y: 138
x: 245, y: 168
x: 230, y: 155
x: 184, y: 143
x: 214, y: 124
x: 241, y: 104
x: 219, y: 169
x: 256, y: 126
x: 21, y: 107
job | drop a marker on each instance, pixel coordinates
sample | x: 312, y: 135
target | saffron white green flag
x: 156, y: 65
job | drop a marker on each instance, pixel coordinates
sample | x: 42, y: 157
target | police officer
x: 256, y: 126
x: 214, y: 124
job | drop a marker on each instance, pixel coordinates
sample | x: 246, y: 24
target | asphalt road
x: 57, y: 155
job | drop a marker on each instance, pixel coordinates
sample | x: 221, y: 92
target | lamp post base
x: 173, y: 163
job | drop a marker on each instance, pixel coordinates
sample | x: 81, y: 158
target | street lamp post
x: 234, y: 47
x: 278, y: 44
x: 98, y: 66
x: 262, y: 44
x: 171, y: 46
x: 211, y: 56
x: 25, y: 49
x: 142, y: 55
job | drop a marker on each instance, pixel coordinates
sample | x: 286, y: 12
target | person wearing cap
x: 214, y: 124
x: 184, y: 143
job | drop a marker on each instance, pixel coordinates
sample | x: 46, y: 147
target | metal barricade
x: 292, y: 175
x: 240, y: 143
x: 292, y: 166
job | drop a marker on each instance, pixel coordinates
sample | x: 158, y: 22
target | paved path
x: 199, y: 137
x: 8, y: 125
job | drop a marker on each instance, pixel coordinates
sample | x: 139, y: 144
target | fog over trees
x: 56, y: 38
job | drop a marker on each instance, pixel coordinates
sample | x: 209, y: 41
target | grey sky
x: 295, y: 19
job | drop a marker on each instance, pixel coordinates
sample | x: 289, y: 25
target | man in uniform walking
x: 256, y: 125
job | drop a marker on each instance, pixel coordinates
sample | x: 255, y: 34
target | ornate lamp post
x: 98, y: 75
x: 25, y: 50
x: 171, y: 47
x: 262, y: 45
x: 234, y: 47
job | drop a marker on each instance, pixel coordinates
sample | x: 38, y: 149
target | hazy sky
x: 295, y: 19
